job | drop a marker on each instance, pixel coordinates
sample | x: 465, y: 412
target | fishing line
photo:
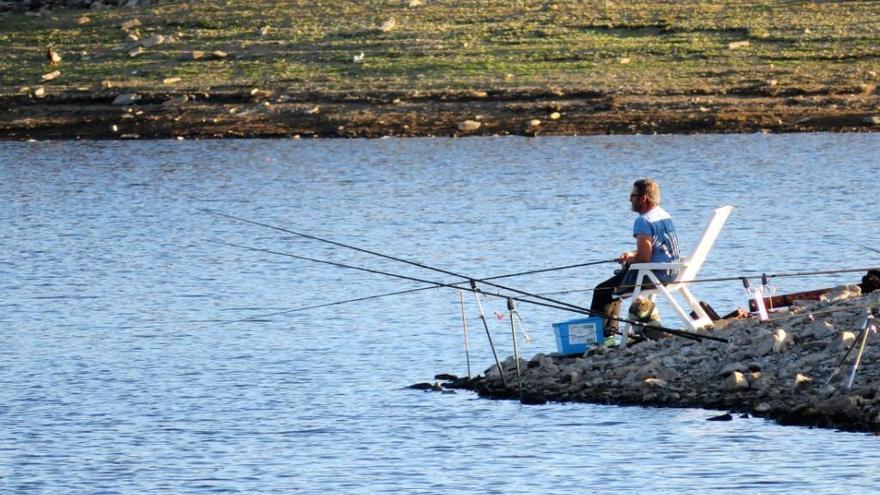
x: 401, y: 292
x: 395, y: 275
x: 401, y: 260
x: 555, y: 304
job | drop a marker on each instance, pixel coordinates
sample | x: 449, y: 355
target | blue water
x: 120, y: 371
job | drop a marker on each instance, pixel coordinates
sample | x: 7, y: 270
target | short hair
x: 649, y: 188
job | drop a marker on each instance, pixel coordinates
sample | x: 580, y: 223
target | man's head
x: 645, y: 195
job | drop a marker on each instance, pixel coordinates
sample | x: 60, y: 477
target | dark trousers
x: 606, y: 303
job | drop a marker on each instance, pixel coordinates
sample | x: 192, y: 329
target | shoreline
x: 266, y: 113
x: 782, y: 369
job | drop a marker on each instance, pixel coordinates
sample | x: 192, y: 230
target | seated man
x: 656, y: 242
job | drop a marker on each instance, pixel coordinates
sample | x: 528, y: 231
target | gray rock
x: 126, y: 99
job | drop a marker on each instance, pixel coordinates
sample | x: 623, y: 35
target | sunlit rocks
x: 155, y: 40
x: 469, y: 125
x: 736, y: 381
x: 791, y: 369
x: 130, y: 24
x: 388, y: 25
x: 51, y: 75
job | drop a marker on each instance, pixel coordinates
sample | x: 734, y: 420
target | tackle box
x: 575, y: 336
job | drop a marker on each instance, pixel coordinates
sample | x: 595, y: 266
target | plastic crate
x: 575, y: 336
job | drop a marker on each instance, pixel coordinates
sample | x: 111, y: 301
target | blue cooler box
x: 575, y: 336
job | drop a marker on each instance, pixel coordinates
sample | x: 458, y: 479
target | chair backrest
x: 704, y: 245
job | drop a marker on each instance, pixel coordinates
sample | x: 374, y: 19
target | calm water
x: 118, y: 375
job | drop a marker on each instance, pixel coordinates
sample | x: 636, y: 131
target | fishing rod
x: 401, y: 260
x: 734, y: 278
x: 408, y: 291
x: 389, y: 274
x: 865, y: 246
x: 550, y: 302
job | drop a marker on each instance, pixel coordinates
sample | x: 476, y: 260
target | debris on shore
x: 794, y: 368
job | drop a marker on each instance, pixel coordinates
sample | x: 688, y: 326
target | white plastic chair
x: 687, y: 270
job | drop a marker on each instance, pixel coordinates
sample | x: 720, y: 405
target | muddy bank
x: 787, y: 369
x: 264, y: 113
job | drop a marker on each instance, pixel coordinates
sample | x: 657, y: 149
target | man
x: 656, y: 242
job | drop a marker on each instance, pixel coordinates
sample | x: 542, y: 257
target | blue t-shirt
x: 664, y: 243
x: 657, y: 224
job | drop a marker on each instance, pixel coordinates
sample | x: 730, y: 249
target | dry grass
x: 656, y: 47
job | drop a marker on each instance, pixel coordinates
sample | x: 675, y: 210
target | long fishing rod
x: 394, y: 258
x: 401, y: 260
x: 735, y: 278
x: 394, y: 275
x: 408, y: 291
x: 556, y: 305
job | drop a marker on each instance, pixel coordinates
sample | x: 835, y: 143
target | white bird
x: 358, y: 59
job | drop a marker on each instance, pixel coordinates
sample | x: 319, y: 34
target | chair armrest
x: 657, y: 266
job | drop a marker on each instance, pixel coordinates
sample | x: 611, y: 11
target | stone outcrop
x: 787, y: 369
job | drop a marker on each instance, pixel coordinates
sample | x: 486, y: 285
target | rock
x: 736, y: 381
x: 126, y: 99
x: 779, y: 340
x: 469, y: 125
x: 415, y: 3
x: 722, y: 417
x: 478, y: 94
x: 155, y: 40
x: 137, y: 51
x: 388, y: 26
x: 731, y: 367
x: 170, y: 80
x: 534, y: 123
x: 624, y: 60
x: 873, y: 120
x: 40, y: 92
x: 219, y: 54
x: 175, y: 102
x: 554, y: 116
x: 734, y: 45
x: 656, y: 382
x: 197, y: 54
x: 802, y: 381
x: 761, y: 407
x: 264, y: 30
x: 847, y: 339
x: 83, y: 20
x: 841, y: 293
x: 358, y: 59
x: 130, y: 24
x: 52, y: 75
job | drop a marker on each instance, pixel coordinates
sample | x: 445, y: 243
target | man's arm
x: 644, y: 248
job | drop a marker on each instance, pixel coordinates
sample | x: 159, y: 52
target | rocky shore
x: 260, y: 112
x: 790, y: 369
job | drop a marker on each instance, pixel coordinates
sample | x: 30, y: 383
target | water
x: 118, y: 375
